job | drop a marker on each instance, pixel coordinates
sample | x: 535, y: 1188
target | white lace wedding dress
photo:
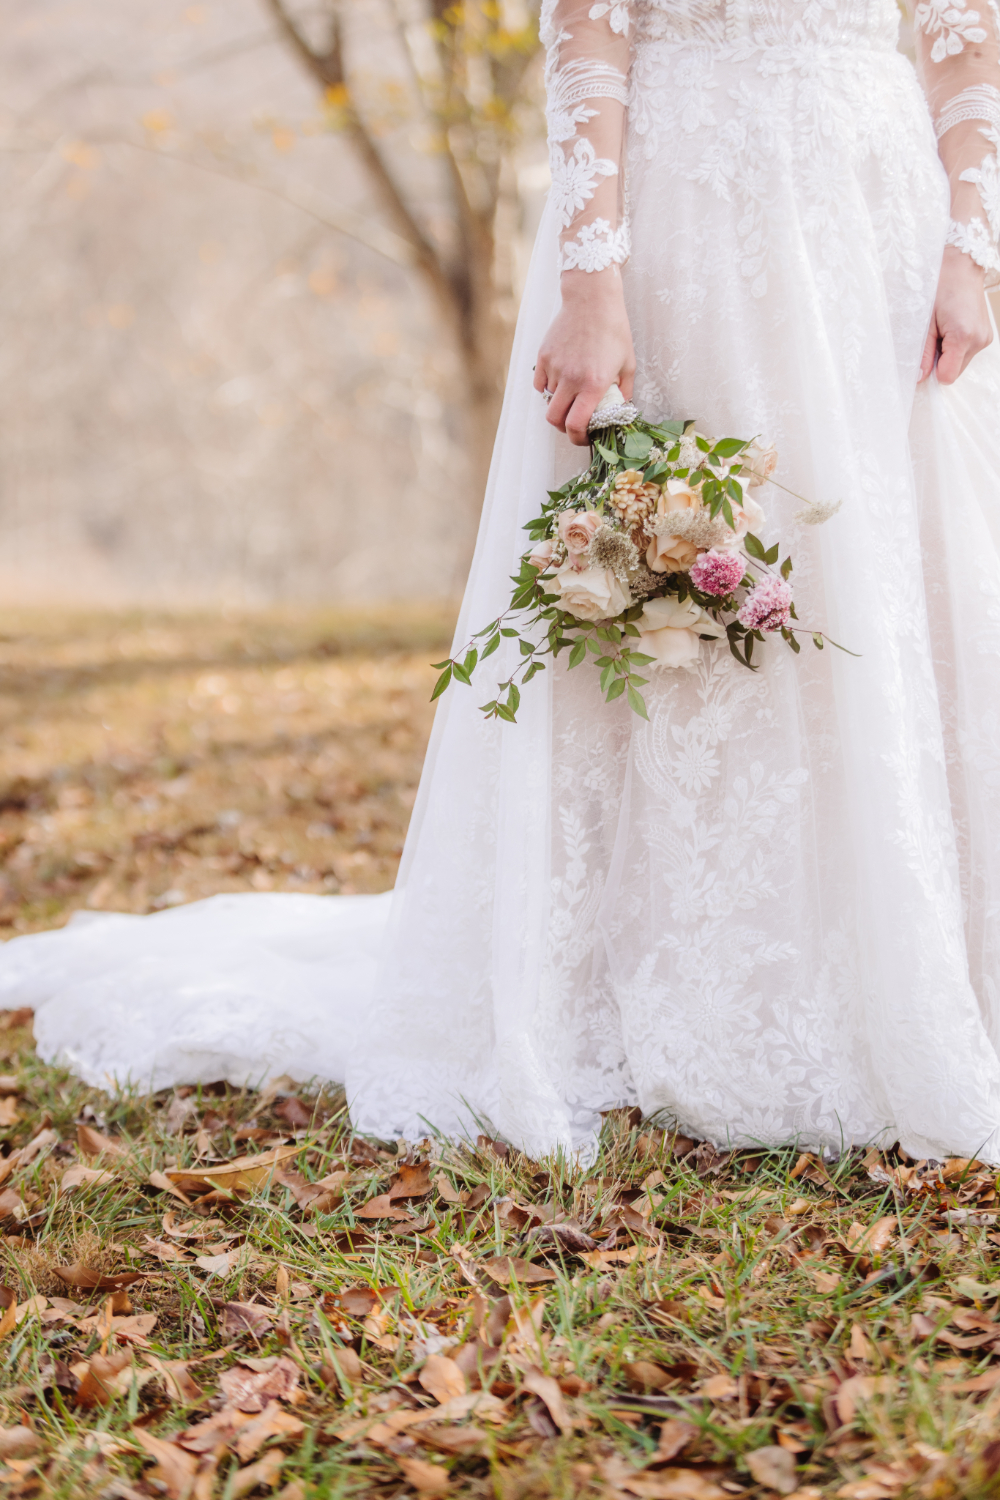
x: 773, y: 912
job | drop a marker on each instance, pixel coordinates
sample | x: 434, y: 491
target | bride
x: 772, y: 912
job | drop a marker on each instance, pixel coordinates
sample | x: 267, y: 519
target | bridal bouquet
x: 636, y: 561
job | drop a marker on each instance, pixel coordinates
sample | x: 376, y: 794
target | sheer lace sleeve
x: 586, y: 74
x: 958, y: 57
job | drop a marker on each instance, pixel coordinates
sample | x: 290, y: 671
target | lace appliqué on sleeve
x: 951, y: 24
x: 595, y: 247
x: 586, y: 81
x: 976, y: 240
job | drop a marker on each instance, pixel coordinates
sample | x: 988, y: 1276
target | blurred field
x: 149, y: 758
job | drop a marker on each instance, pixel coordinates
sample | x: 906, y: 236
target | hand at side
x: 587, y: 348
x: 960, y: 325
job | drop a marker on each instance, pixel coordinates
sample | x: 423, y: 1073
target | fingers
x: 541, y: 379
x: 930, y: 352
x: 957, y: 349
x: 583, y: 408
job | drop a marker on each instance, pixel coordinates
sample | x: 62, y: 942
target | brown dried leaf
x: 176, y: 1377
x: 251, y: 1390
x: 860, y: 1388
x: 8, y: 1111
x: 175, y: 1469
x: 642, y: 1375
x: 272, y: 1422
x: 295, y: 1112
x: 442, y: 1378
x: 675, y: 1436
x: 506, y: 1269
x: 80, y: 1176
x: 380, y: 1208
x: 18, y: 1442
x: 163, y: 1250
x: 547, y: 1390
x: 874, y: 1239
x: 245, y: 1317
x: 90, y: 1142
x: 161, y: 1181
x: 774, y: 1468
x: 345, y: 1363
x: 244, y: 1174
x: 95, y: 1281
x: 567, y: 1235
x: 261, y: 1475
x: 447, y: 1192
x: 426, y: 1479
x: 413, y: 1180
x: 8, y: 1301
x: 102, y: 1381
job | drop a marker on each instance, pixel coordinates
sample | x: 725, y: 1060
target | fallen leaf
x: 106, y: 1376
x: 976, y: 1291
x: 426, y: 1479
x: 12, y: 1020
x: 442, y: 1378
x: 12, y: 1206
x: 8, y: 1301
x: 380, y: 1208
x: 245, y: 1317
x: 175, y: 1469
x: 413, y: 1180
x: 272, y: 1422
x: 177, y: 1379
x: 220, y: 1265
x: 251, y: 1390
x: 261, y: 1475
x: 861, y: 1349
x: 774, y: 1468
x: 505, y: 1269
x: 95, y: 1281
x: 294, y: 1112
x: 8, y: 1111
x: 80, y: 1176
x: 449, y: 1193
x: 826, y: 1281
x: 164, y: 1251
x: 874, y: 1239
x: 643, y: 1375
x: 860, y: 1388
x: 719, y: 1388
x: 623, y: 1257
x: 674, y: 1438
x: 547, y: 1390
x: 345, y: 1364
x: 568, y: 1236
x: 315, y: 1197
x: 18, y: 1442
x: 161, y: 1181
x: 90, y: 1142
x: 985, y: 1382
x: 243, y: 1174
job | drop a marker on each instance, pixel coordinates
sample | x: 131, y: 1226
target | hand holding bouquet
x: 649, y: 552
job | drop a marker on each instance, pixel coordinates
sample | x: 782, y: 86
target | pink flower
x: 577, y: 527
x: 717, y: 572
x: 541, y: 556
x: 768, y: 606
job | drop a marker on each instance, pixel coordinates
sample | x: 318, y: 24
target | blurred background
x: 260, y: 264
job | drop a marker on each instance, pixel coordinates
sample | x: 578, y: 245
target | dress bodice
x: 769, y: 22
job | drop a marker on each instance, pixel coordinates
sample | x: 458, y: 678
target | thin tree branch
x: 328, y: 70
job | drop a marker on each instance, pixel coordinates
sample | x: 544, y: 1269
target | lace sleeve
x: 586, y: 76
x: 958, y: 57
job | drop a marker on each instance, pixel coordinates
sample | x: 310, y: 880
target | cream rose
x: 541, y: 557
x: 762, y: 458
x: 576, y: 529
x: 589, y: 593
x: 749, y: 516
x: 672, y: 554
x: 670, y: 630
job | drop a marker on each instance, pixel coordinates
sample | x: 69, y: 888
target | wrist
x: 592, y: 287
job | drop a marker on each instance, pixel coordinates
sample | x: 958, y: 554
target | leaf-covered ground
x: 221, y: 1294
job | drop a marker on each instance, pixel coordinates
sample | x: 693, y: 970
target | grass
x: 671, y: 1322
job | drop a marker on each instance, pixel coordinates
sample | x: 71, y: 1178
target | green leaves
x: 441, y: 683
x: 637, y: 446
x: 754, y: 546
x: 578, y: 652
x: 611, y: 458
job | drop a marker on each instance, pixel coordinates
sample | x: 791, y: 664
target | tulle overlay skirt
x: 773, y: 911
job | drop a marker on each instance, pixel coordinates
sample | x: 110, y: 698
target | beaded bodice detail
x: 769, y: 22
